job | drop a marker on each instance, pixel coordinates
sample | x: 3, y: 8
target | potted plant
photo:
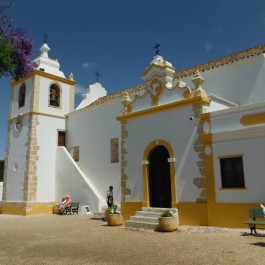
x: 113, y: 216
x: 168, y: 221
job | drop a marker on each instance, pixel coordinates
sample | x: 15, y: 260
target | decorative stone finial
x: 197, y: 80
x: 127, y: 104
x: 71, y: 76
x: 44, y: 50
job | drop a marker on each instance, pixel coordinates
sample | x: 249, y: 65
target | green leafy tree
x: 15, y: 48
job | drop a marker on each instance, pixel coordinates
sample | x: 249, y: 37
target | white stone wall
x: 230, y: 138
x: 1, y: 190
x: 254, y: 168
x: 71, y: 180
x: 92, y: 130
x: 47, y: 141
x: 241, y: 82
x: 174, y: 127
x: 17, y: 161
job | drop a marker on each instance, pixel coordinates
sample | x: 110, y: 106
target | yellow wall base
x: 129, y: 209
x: 192, y: 213
x: 27, y: 208
x: 231, y: 215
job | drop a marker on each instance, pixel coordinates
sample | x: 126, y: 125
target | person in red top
x: 65, y: 204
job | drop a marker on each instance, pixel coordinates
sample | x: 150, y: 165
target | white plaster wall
x: 93, y: 92
x: 241, y: 82
x: 44, y: 98
x: 16, y: 161
x: 92, y: 129
x: 71, y: 180
x: 168, y: 96
x: 14, y: 103
x: 47, y: 140
x: 254, y: 168
x: 174, y: 127
x: 214, y: 106
x: 1, y: 190
x: 229, y: 119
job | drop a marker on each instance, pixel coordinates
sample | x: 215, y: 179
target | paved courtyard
x: 80, y: 239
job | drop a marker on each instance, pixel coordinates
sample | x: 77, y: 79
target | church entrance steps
x: 147, y: 218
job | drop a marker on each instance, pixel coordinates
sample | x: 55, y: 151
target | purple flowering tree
x: 15, y: 48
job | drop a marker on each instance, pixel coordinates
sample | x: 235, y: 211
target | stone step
x: 143, y: 225
x: 153, y: 220
x: 147, y: 218
x: 159, y: 210
x: 147, y: 214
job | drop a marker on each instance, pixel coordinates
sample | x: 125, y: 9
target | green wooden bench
x: 255, y: 213
x: 72, y: 209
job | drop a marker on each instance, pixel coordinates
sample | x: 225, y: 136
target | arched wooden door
x: 159, y: 178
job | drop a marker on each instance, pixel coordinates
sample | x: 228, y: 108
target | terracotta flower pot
x: 167, y: 224
x: 115, y: 219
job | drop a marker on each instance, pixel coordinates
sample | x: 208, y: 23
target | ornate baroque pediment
x: 159, y: 80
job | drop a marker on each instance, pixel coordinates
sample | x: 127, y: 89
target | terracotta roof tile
x: 222, y: 61
x: 188, y: 72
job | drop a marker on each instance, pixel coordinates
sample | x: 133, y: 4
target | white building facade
x: 191, y: 140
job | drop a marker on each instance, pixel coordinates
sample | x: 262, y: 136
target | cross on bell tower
x: 45, y: 38
x: 97, y: 75
x: 157, y: 52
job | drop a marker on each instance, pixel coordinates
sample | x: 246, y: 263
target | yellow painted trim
x: 230, y: 156
x: 60, y: 96
x: 192, y: 213
x: 253, y: 119
x: 147, y: 151
x: 231, y: 215
x: 27, y: 208
x: 232, y: 188
x: 185, y: 102
x: 205, y: 116
x: 39, y: 113
x: 44, y: 74
x: 129, y: 209
x: 207, y: 138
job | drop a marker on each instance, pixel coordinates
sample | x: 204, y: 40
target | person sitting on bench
x: 65, y: 204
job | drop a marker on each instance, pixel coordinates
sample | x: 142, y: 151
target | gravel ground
x: 80, y: 239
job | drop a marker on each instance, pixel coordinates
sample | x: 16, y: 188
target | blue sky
x: 116, y: 37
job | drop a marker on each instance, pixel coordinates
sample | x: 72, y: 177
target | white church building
x: 191, y: 140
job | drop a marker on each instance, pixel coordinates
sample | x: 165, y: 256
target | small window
x: 54, y: 95
x: 61, y: 138
x: 232, y: 172
x: 76, y: 153
x: 21, y: 95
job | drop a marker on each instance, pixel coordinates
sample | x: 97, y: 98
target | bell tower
x: 36, y: 126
